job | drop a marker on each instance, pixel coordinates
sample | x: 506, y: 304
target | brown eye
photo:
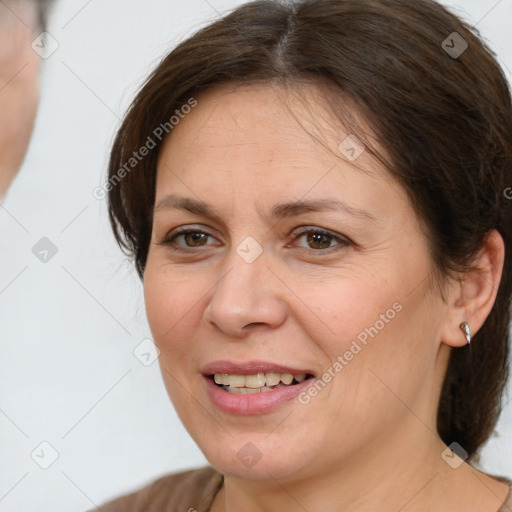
x: 192, y: 238
x: 319, y: 240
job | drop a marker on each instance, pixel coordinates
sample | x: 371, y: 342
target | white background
x: 68, y: 327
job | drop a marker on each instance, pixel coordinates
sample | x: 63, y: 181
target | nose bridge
x: 244, y: 283
x: 245, y: 294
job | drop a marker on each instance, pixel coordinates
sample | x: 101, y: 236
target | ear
x: 472, y: 296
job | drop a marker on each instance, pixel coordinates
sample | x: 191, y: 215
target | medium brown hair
x: 444, y: 120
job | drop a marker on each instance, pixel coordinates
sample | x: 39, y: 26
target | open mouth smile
x: 253, y: 387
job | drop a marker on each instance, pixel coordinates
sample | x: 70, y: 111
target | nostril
x: 255, y: 324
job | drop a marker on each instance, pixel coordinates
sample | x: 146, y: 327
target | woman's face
x: 339, y: 292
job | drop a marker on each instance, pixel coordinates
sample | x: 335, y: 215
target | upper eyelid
x: 185, y: 228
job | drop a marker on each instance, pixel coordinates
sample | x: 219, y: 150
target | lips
x: 251, y: 368
x: 253, y: 403
x: 236, y: 398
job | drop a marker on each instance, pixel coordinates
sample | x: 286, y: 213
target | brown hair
x: 444, y: 119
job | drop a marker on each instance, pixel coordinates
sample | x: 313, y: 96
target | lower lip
x: 254, y: 403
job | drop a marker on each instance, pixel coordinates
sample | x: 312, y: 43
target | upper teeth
x: 257, y: 381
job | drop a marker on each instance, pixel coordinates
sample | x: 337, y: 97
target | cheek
x: 342, y: 310
x: 170, y: 308
x: 366, y: 324
x: 387, y: 356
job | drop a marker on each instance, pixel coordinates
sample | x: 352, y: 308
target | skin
x: 19, y: 85
x: 367, y: 441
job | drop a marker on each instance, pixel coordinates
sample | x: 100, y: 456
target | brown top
x: 187, y: 491
x: 194, y: 491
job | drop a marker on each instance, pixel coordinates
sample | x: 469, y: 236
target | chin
x: 250, y: 457
x: 269, y: 469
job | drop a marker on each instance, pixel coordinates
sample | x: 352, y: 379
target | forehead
x: 260, y: 138
x: 259, y: 110
x: 257, y: 121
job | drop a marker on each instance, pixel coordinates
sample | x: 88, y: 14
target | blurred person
x: 21, y: 21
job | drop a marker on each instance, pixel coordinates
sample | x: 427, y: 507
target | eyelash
x: 343, y: 242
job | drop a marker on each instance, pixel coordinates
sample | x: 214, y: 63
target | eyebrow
x: 278, y: 211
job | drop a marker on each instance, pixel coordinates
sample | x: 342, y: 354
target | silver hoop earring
x: 465, y: 329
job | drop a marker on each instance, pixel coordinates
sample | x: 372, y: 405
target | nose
x: 247, y: 296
